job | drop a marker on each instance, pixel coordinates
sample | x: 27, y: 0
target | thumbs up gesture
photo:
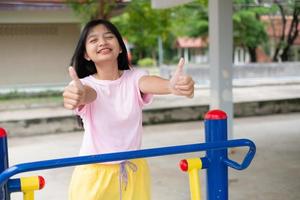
x: 74, y: 93
x: 181, y: 84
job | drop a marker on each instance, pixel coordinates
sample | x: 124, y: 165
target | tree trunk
x: 105, y: 8
x: 252, y: 52
x: 285, y: 55
x: 281, y: 41
x: 292, y: 35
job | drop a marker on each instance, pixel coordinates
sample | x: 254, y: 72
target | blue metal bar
x: 4, y: 194
x: 14, y: 185
x: 81, y: 160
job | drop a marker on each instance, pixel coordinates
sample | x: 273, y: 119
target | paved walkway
x: 273, y: 174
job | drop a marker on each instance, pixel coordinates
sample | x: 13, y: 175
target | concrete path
x: 273, y: 175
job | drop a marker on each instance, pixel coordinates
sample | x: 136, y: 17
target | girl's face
x: 101, y: 45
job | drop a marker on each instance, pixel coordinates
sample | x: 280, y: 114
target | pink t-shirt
x: 113, y: 122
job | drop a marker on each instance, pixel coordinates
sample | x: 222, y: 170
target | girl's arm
x: 154, y: 85
x: 180, y: 84
x: 76, y: 94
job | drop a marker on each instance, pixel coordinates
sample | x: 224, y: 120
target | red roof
x: 187, y: 42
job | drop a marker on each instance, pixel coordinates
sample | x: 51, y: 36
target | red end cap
x: 2, y: 132
x: 184, y: 165
x: 215, y: 114
x: 41, y: 182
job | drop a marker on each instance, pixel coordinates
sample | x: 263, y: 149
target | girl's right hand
x: 74, y: 93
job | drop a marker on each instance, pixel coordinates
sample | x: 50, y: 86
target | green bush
x: 146, y: 62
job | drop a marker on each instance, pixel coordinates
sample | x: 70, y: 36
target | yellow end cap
x: 30, y: 183
x: 194, y: 163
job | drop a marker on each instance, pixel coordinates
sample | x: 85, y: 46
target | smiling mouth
x: 105, y: 50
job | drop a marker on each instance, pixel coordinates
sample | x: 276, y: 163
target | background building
x: 37, y: 41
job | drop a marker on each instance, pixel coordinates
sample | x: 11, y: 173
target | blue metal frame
x: 217, y: 173
x: 14, y: 185
x: 216, y: 161
x: 4, y: 194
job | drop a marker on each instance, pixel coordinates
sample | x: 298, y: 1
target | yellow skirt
x: 129, y: 180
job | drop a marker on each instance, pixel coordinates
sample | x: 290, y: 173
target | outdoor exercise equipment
x: 216, y: 161
x: 192, y: 166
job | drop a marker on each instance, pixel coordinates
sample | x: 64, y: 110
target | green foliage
x: 85, y: 11
x: 248, y: 30
x: 190, y: 19
x: 142, y: 26
x: 146, y: 62
x: 92, y: 9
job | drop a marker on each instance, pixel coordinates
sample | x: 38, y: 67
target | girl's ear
x: 86, y: 57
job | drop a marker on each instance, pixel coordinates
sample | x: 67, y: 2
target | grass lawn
x: 28, y: 101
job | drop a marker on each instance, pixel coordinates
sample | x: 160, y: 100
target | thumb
x: 180, y: 65
x: 178, y: 72
x: 75, y: 78
x: 179, y: 69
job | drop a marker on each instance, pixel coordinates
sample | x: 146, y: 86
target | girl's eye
x: 109, y: 36
x: 93, y: 40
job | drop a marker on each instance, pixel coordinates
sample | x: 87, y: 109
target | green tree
x: 191, y: 19
x: 274, y: 8
x: 287, y: 40
x: 249, y: 32
x: 142, y: 26
x: 92, y: 9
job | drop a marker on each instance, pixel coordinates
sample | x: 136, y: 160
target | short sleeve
x: 144, y: 99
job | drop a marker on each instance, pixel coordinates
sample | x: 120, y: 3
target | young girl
x: 109, y: 96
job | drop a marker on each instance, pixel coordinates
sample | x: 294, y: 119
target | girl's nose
x: 101, y: 41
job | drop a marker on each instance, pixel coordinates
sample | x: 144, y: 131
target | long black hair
x: 84, y: 67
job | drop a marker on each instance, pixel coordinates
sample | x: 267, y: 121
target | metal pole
x: 220, y: 58
x: 217, y: 172
x: 160, y: 52
x: 4, y: 194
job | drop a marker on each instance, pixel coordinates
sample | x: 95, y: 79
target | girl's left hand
x: 180, y: 83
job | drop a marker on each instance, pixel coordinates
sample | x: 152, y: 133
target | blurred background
x: 38, y: 38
